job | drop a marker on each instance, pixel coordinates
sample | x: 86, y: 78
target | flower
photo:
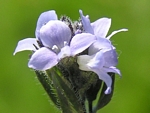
x: 100, y: 63
x: 102, y: 57
x: 57, y: 42
x: 27, y: 44
x: 99, y: 28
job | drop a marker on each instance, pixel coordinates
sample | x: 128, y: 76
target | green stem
x: 90, y: 106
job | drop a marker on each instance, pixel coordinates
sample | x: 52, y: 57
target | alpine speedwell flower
x: 102, y: 57
x: 55, y: 42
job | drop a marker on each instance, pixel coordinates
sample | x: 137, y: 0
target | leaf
x: 47, y: 83
x: 95, y: 84
x: 68, y: 101
x: 91, y: 93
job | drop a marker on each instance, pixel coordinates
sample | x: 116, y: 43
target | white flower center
x: 65, y: 51
x: 65, y: 43
x: 55, y: 48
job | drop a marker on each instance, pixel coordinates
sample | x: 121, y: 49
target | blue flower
x: 57, y: 42
x: 99, y: 28
x: 102, y: 57
x: 101, y: 64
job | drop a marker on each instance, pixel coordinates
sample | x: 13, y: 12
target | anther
x: 54, y: 47
x: 65, y: 43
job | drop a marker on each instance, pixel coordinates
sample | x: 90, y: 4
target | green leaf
x: 94, y: 86
x: 68, y: 101
x: 47, y: 83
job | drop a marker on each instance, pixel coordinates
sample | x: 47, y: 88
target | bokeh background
x: 20, y: 91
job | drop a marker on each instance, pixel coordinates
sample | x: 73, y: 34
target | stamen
x: 35, y: 47
x: 80, y: 24
x: 40, y: 43
x: 65, y: 43
x: 55, y: 48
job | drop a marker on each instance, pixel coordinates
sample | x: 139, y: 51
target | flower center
x: 65, y: 51
x: 55, y: 48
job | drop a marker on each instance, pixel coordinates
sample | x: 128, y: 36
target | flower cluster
x: 85, y: 41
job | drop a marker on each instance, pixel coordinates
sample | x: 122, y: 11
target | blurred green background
x: 20, y: 91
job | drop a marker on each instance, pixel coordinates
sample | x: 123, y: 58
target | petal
x: 82, y: 61
x: 55, y: 32
x: 43, y: 59
x: 95, y: 64
x: 97, y: 61
x: 26, y: 44
x: 108, y: 90
x: 114, y: 32
x: 101, y: 27
x: 101, y: 43
x: 112, y: 69
x: 65, y: 51
x: 86, y: 23
x: 43, y: 19
x: 110, y: 57
x: 80, y: 42
x: 105, y: 77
